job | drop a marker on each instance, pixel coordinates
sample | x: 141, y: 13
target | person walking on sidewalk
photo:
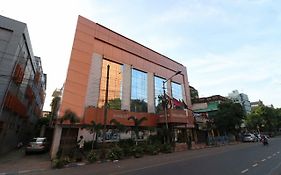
x: 80, y: 144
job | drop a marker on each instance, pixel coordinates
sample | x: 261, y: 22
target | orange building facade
x: 136, y: 76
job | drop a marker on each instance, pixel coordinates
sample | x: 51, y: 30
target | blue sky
x: 225, y: 44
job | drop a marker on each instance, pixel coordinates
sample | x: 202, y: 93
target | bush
x: 138, y: 151
x: 152, y: 149
x: 166, y: 148
x: 92, y: 156
x: 57, y: 163
x: 127, y: 146
x: 115, y: 153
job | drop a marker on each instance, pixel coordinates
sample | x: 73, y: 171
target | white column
x: 56, y: 141
x: 183, y: 93
x: 169, y: 88
x: 93, y: 90
x: 150, y: 93
x: 126, y: 87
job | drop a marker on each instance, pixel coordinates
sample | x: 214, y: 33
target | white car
x: 249, y: 138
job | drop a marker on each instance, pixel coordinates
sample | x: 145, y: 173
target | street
x: 245, y: 158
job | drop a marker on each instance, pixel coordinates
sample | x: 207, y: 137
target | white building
x: 242, y: 99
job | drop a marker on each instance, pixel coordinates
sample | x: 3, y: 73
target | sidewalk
x: 16, y: 162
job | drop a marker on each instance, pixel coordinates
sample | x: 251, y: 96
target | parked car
x: 37, y: 144
x: 249, y: 138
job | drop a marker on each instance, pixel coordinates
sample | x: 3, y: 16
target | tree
x: 229, y: 117
x: 95, y: 129
x: 118, y: 126
x: 54, y: 108
x: 137, y: 124
x: 264, y: 118
x: 114, y: 103
x: 72, y: 118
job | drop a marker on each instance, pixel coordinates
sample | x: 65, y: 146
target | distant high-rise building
x: 22, y: 85
x: 242, y: 99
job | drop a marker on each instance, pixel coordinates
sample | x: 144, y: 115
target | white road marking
x: 278, y: 152
x: 274, y: 154
x: 263, y: 160
x: 244, y: 171
x: 255, y: 165
x: 269, y: 157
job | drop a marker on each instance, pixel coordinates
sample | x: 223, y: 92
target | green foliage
x: 115, y: 103
x: 126, y: 145
x: 94, y: 128
x: 92, y: 156
x: 166, y: 148
x: 138, y: 151
x: 266, y: 119
x: 57, y: 163
x: 229, y: 117
x: 152, y: 149
x: 70, y: 116
x: 116, y: 153
x: 137, y: 124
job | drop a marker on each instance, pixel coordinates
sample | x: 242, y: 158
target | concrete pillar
x: 126, y: 87
x: 93, y: 89
x: 169, y: 88
x: 56, y: 141
x: 150, y: 93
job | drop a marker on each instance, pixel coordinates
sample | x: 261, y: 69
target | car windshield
x: 247, y: 135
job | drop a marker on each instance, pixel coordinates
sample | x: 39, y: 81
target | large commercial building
x: 242, y: 99
x: 22, y: 85
x: 135, y: 79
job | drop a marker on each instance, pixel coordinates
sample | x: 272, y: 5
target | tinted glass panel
x: 114, y: 85
x: 158, y: 89
x: 176, y: 91
x: 139, y: 91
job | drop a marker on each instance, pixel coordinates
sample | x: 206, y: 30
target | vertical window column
x: 126, y: 86
x: 169, y: 88
x: 150, y: 94
x: 93, y: 91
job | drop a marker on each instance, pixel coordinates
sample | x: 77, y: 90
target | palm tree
x: 95, y: 129
x: 137, y: 124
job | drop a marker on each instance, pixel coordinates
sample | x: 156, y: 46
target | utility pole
x: 106, y: 103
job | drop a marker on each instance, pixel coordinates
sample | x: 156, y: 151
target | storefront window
x: 158, y: 90
x: 139, y: 91
x: 114, y: 85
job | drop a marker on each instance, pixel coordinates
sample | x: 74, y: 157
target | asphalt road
x: 245, y: 158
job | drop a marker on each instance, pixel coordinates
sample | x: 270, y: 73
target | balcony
x: 97, y: 115
x: 177, y: 117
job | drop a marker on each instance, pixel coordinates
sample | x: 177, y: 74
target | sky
x: 226, y: 45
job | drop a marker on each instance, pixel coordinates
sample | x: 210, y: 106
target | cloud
x: 255, y: 69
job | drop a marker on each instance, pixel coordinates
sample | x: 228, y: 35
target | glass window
x: 114, y: 85
x: 139, y: 91
x: 176, y: 91
x: 158, y: 92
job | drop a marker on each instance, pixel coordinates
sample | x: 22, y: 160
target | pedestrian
x: 80, y: 144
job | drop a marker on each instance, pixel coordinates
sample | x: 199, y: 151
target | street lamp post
x: 165, y: 103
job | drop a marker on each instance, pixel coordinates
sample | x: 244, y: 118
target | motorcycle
x: 264, y: 141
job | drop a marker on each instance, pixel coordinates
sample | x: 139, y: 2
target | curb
x: 23, y: 172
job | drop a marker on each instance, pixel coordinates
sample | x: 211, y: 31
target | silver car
x: 37, y: 144
x: 249, y: 138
